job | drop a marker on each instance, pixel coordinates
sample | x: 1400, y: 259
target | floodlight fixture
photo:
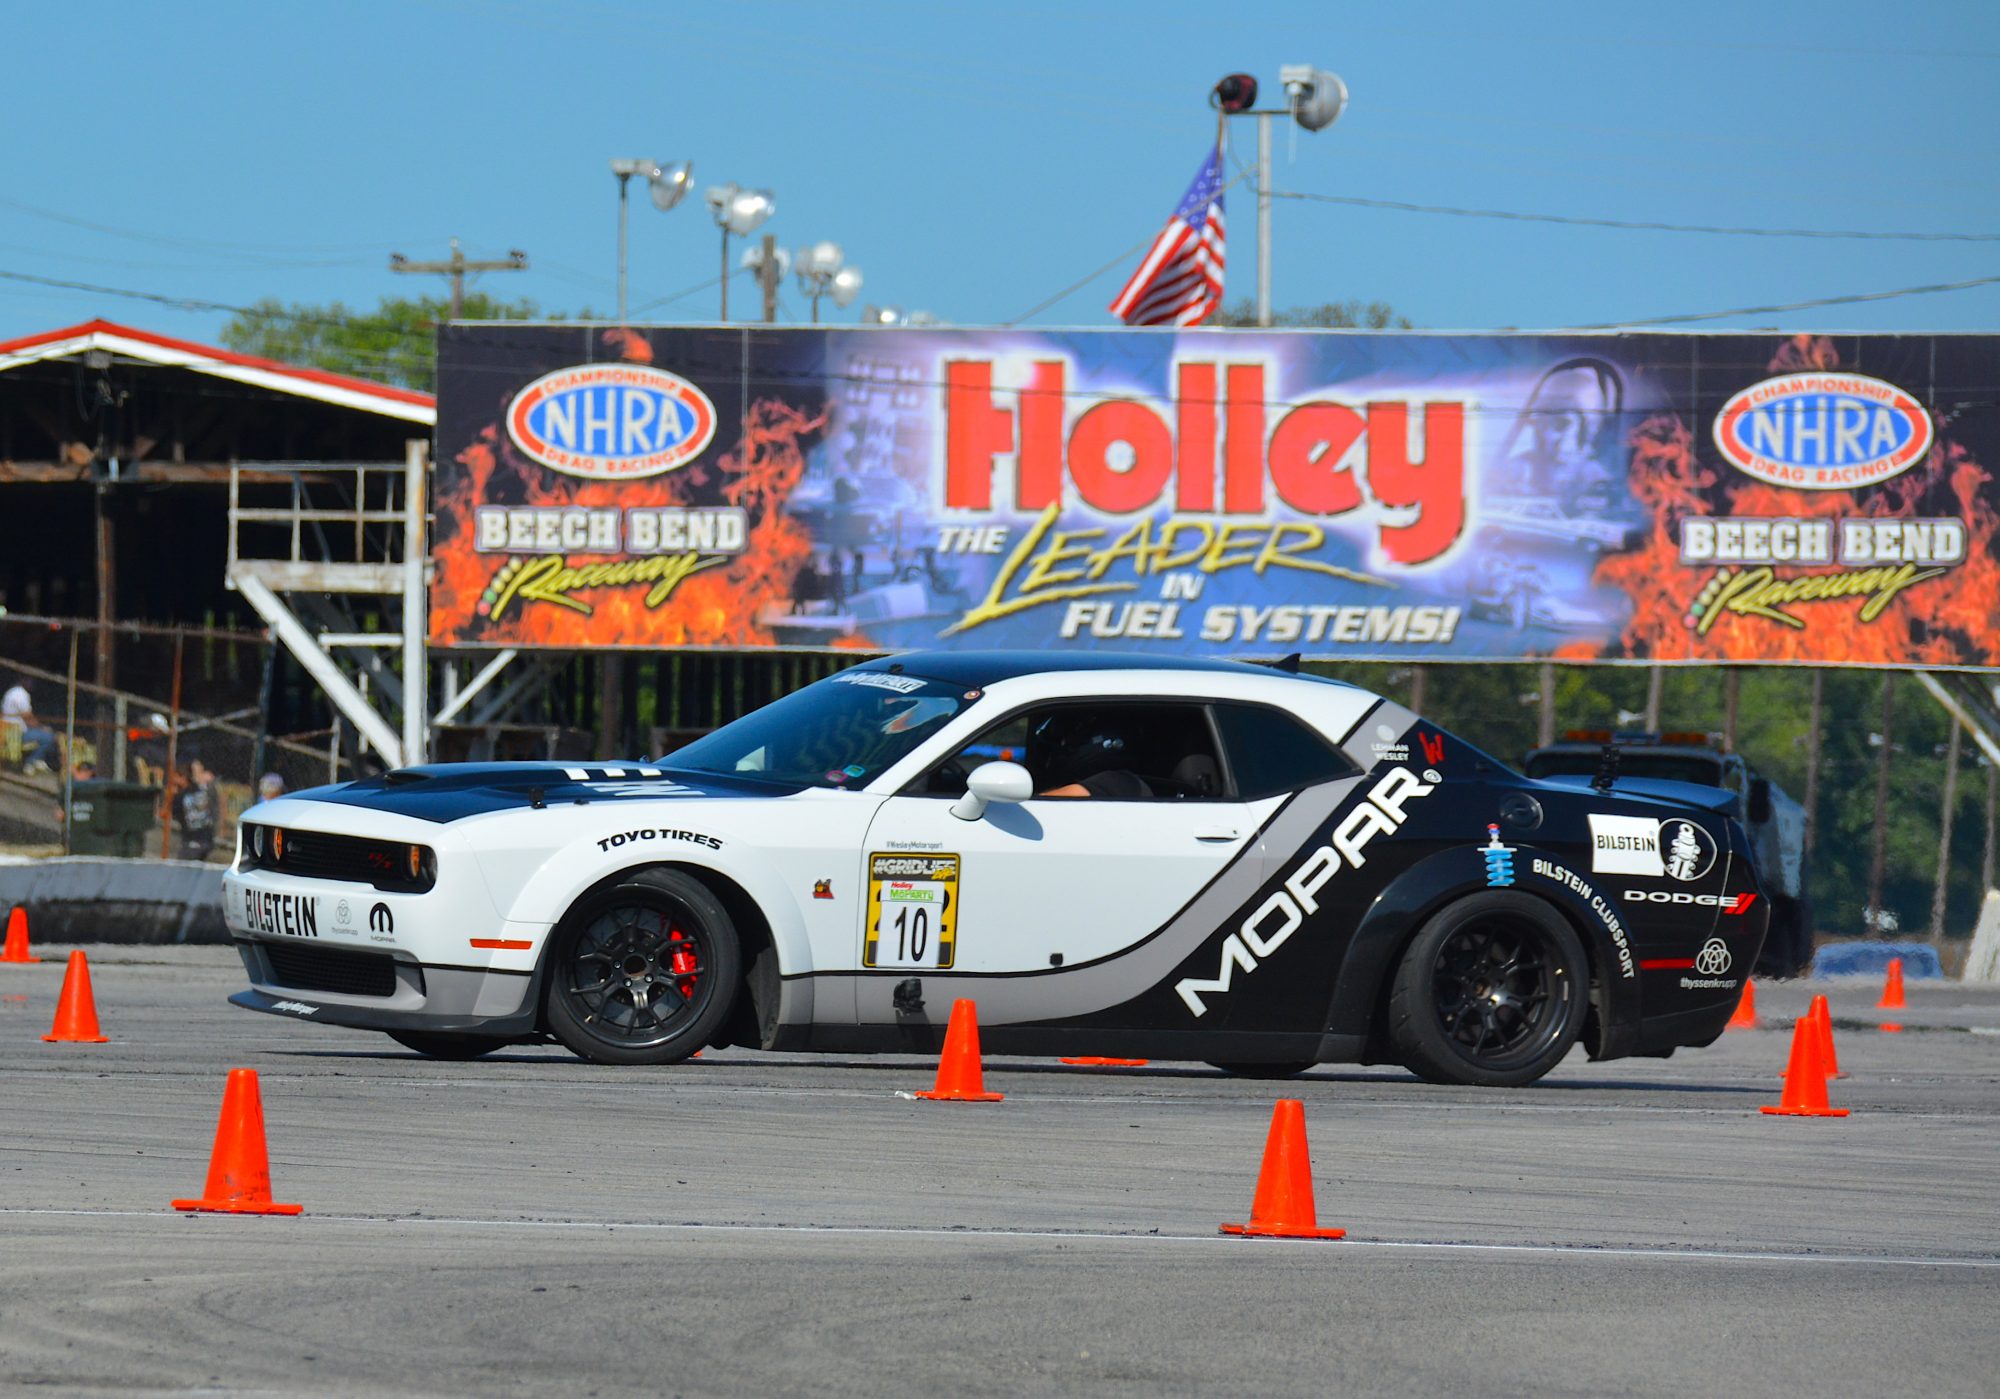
x: 669, y: 182
x: 737, y: 210
x: 1316, y: 97
x: 844, y: 286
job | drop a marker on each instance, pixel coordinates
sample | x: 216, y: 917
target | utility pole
x: 456, y: 266
x: 1947, y: 811
x: 767, y: 278
x: 1879, y: 856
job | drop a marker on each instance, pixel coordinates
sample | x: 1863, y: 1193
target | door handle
x: 1219, y: 838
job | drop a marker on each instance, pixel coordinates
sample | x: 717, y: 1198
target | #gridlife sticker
x: 912, y: 910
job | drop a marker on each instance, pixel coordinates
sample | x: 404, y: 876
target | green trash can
x: 112, y: 818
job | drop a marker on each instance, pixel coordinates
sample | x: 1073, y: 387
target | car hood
x: 445, y: 792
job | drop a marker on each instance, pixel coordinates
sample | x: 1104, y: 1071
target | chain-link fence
x: 160, y: 761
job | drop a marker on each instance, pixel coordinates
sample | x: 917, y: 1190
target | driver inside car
x: 1076, y: 755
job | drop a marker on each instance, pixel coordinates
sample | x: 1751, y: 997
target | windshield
x: 841, y: 732
x: 1668, y: 767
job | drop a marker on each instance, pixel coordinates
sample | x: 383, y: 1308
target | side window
x: 1112, y: 751
x: 1271, y: 752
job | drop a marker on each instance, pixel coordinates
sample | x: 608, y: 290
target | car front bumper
x: 383, y: 991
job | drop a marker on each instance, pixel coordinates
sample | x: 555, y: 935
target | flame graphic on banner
x: 1948, y: 625
x: 719, y: 606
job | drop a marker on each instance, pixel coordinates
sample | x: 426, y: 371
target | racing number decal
x: 912, y: 910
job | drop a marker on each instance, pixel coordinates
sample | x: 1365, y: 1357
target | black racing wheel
x: 435, y: 1044
x: 643, y: 972
x: 1492, y: 991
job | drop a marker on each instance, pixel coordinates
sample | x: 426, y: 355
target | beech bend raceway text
x: 754, y: 1224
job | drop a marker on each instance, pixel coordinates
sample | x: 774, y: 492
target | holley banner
x: 1362, y: 496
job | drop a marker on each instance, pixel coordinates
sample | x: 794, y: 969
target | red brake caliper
x: 683, y: 962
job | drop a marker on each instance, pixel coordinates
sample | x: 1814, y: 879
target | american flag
x: 1179, y: 281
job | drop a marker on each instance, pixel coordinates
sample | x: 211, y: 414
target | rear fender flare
x: 1408, y: 901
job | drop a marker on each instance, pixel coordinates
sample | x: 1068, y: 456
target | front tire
x: 1491, y: 992
x: 644, y: 971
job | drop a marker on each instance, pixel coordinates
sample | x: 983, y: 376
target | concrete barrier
x: 84, y: 898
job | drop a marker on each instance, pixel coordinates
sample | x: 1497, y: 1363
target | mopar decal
x: 1285, y: 911
x: 292, y: 915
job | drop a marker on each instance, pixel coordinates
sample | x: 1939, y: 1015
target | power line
x: 1848, y: 300
x: 1637, y: 224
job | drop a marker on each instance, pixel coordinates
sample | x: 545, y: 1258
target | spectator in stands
x: 270, y: 787
x: 38, y: 741
x: 198, y: 810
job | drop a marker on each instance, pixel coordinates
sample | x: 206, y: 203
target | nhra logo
x: 1823, y: 431
x: 611, y: 422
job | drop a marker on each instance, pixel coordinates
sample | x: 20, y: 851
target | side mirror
x: 1760, y: 800
x: 992, y: 782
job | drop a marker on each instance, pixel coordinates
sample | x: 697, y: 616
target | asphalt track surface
x: 762, y: 1224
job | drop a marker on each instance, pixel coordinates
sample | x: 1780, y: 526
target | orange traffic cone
x: 959, y: 1077
x: 1829, y: 1060
x: 1094, y: 1061
x: 76, y: 1008
x: 239, y: 1171
x: 16, y: 949
x: 1805, y: 1077
x: 1892, y: 992
x: 1283, y: 1206
x: 1745, y: 1017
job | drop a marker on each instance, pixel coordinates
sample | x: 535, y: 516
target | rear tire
x: 644, y: 971
x: 433, y: 1044
x: 1491, y: 992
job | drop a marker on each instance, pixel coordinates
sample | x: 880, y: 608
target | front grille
x: 323, y: 969
x: 356, y: 859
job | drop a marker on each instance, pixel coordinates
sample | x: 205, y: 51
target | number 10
x: 912, y: 934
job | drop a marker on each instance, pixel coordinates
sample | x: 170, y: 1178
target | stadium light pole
x: 737, y: 210
x: 669, y: 182
x: 1314, y: 98
x: 824, y: 271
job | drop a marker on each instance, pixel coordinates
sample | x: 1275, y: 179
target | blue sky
x: 975, y: 159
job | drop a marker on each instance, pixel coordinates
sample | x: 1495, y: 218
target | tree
x: 1328, y: 315
x: 396, y: 343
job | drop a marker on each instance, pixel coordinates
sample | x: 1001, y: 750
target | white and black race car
x: 1109, y: 855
